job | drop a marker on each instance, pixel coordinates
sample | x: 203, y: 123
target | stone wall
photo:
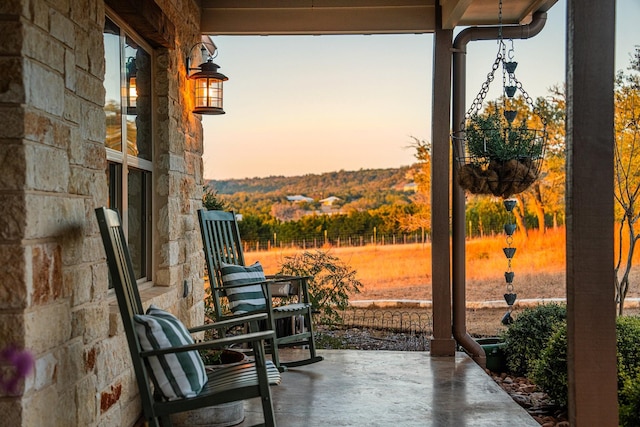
x: 54, y: 297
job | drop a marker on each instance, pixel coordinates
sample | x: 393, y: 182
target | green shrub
x: 629, y: 398
x: 330, y: 284
x: 528, y: 336
x: 627, y: 339
x: 550, y: 370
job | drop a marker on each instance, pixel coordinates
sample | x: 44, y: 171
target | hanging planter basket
x: 498, y: 152
x: 498, y: 157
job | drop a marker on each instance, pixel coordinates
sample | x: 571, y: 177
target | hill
x: 361, y: 190
x: 318, y: 186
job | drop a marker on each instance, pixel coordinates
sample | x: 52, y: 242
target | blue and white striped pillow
x: 243, y: 299
x: 178, y: 375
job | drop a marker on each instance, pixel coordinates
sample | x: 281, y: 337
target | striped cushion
x: 244, y: 299
x: 178, y: 375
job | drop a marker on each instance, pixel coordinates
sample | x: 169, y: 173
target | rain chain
x: 509, y: 252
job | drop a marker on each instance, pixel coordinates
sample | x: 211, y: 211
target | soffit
x: 271, y: 17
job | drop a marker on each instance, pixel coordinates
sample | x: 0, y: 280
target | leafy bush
x: 528, y: 335
x: 330, y: 284
x: 550, y: 370
x: 627, y: 339
x: 629, y: 398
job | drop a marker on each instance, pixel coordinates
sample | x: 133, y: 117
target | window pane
x: 138, y: 219
x: 138, y: 94
x: 112, y: 105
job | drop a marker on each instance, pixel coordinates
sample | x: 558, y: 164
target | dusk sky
x: 312, y: 104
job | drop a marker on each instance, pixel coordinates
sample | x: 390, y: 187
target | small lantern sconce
x: 132, y: 91
x: 208, y: 83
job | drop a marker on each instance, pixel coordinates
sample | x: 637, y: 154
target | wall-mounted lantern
x: 208, y: 83
x: 132, y: 90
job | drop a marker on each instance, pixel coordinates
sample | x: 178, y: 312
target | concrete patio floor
x: 389, y: 388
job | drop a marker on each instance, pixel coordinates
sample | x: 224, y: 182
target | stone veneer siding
x: 54, y: 299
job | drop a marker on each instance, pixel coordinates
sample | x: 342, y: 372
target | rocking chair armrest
x: 217, y: 343
x: 228, y: 323
x: 284, y: 277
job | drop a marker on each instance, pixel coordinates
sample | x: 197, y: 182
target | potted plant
x: 501, y: 156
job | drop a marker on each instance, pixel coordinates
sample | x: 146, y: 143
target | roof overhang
x: 289, y: 17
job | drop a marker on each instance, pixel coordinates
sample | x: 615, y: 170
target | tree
x: 627, y: 177
x: 212, y: 201
x: 420, y: 218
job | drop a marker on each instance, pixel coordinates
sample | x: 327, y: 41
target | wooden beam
x: 591, y: 329
x: 452, y: 12
x: 271, y: 17
x: 148, y: 19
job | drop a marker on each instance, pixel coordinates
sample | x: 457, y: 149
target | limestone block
x: 41, y: 128
x: 85, y: 47
x: 91, y: 322
x: 12, y: 7
x: 44, y: 88
x: 45, y: 372
x: 170, y: 254
x: 88, y: 182
x: 162, y: 184
x: 113, y: 359
x: 13, y: 170
x: 130, y: 411
x: 13, y: 292
x: 46, y: 273
x: 12, y: 208
x: 111, y: 417
x: 48, y: 168
x: 11, y: 411
x: 12, y: 89
x: 168, y: 276
x: 90, y: 88
x: 99, y: 281
x: 62, y: 28
x: 47, y: 327
x: 12, y: 119
x: 115, y: 322
x: 42, y: 48
x: 12, y: 37
x: 94, y: 156
x: 72, y: 107
x: 86, y: 401
x: 12, y: 329
x: 80, y: 278
x: 93, y: 124
x: 48, y: 408
x: 177, y: 163
x: 70, y: 69
x: 71, y: 364
x: 53, y: 216
x: 93, y: 249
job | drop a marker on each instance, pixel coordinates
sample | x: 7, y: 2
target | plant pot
x: 224, y: 415
x: 494, y: 350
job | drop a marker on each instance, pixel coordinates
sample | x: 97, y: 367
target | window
x: 129, y: 138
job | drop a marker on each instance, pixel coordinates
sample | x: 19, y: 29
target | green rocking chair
x: 244, y: 288
x: 169, y: 371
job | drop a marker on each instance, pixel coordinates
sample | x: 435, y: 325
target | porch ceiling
x: 271, y: 17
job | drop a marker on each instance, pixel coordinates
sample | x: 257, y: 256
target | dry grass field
x: 404, y: 271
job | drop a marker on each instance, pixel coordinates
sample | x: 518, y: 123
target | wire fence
x: 398, y: 329
x: 318, y: 242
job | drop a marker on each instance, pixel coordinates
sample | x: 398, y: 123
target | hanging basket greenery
x: 498, y: 157
x: 499, y: 152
